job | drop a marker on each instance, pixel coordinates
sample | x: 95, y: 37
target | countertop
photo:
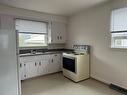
x: 25, y: 53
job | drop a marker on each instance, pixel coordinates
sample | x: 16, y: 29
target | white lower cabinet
x: 31, y: 69
x: 22, y: 71
x: 55, y: 63
x: 43, y: 65
x: 32, y: 66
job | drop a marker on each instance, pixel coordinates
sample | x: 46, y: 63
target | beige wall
x: 27, y: 14
x: 92, y: 27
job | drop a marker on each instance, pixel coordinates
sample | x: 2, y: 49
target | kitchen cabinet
x: 31, y: 69
x: 57, y: 33
x: 22, y: 71
x: 55, y: 63
x: 43, y: 65
x: 28, y: 70
x: 32, y: 66
x: 28, y: 67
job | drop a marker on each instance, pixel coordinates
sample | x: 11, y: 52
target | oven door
x: 69, y: 63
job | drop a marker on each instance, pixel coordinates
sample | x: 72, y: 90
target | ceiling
x: 58, y: 7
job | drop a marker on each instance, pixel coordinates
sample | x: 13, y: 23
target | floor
x: 56, y: 84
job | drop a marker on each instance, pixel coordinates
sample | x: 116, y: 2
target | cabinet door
x: 54, y: 33
x: 46, y: 64
x: 51, y: 65
x: 62, y: 33
x: 58, y: 32
x: 55, y: 63
x: 31, y: 69
x: 22, y: 71
x: 42, y: 68
x: 43, y: 65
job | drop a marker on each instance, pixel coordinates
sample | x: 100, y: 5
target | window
x: 119, y: 40
x: 31, y: 40
x: 31, y: 33
x: 119, y: 28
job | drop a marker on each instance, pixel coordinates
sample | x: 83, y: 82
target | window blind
x: 28, y: 26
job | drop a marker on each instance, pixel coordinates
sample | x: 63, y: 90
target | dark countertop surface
x: 35, y: 52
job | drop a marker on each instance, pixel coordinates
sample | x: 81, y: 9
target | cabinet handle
x: 40, y: 63
x: 52, y: 60
x: 58, y: 37
x: 35, y: 64
x: 20, y: 65
x: 55, y: 54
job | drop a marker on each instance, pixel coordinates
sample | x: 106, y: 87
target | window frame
x: 116, y: 27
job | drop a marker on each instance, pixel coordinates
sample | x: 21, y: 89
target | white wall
x: 92, y: 27
x: 8, y: 57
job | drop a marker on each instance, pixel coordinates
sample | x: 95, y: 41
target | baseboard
x: 112, y: 86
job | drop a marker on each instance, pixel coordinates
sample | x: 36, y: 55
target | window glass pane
x: 119, y: 40
x: 32, y: 40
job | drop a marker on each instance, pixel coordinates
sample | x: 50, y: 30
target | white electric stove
x: 76, y: 64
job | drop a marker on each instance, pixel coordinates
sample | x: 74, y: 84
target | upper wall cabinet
x: 57, y: 33
x: 119, y: 20
x: 31, y: 26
